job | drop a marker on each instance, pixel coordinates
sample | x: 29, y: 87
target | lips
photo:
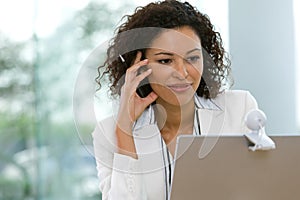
x: 180, y: 87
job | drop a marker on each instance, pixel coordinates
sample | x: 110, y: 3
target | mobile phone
x: 144, y: 88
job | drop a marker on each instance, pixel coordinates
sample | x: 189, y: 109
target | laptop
x: 230, y: 171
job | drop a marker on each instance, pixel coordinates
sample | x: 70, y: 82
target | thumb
x: 150, y: 98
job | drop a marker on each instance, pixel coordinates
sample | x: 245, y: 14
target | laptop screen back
x: 232, y: 172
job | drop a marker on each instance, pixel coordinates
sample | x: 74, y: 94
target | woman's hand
x: 131, y: 106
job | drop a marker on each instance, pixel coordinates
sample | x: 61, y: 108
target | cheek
x: 196, y: 75
x: 165, y: 93
x: 157, y: 77
x: 157, y: 81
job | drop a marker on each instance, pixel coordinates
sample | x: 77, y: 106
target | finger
x: 132, y: 72
x: 137, y: 65
x: 146, y: 101
x: 131, y: 84
x: 134, y: 82
x: 138, y: 62
x: 138, y: 57
x: 150, y: 98
x: 141, y: 76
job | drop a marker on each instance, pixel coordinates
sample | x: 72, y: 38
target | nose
x: 180, y: 69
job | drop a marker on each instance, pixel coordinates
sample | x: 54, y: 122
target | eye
x: 193, y: 59
x: 165, y: 61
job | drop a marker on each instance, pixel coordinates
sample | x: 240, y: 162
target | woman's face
x: 175, y: 58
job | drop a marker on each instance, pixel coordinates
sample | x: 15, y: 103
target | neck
x: 174, y: 118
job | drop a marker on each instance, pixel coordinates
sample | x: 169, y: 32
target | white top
x: 149, y: 176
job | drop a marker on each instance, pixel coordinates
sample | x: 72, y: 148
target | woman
x: 172, y: 50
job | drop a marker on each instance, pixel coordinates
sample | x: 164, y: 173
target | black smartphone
x: 144, y: 88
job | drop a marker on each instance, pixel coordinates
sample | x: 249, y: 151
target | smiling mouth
x: 180, y: 87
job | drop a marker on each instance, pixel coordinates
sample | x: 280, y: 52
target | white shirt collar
x: 203, y: 103
x: 148, y: 116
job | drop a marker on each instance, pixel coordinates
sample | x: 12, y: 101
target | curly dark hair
x: 168, y: 14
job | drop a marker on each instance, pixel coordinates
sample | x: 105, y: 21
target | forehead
x: 178, y: 41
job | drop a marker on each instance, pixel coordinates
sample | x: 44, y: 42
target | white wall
x: 262, y: 46
x: 297, y: 75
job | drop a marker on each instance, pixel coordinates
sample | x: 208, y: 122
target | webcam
x: 256, y: 120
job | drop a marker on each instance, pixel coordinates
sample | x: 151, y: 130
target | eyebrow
x: 196, y: 49
x: 171, y: 54
x: 164, y: 53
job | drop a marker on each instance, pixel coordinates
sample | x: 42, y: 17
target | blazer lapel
x: 149, y: 149
x: 212, y: 117
x: 148, y: 141
x: 211, y: 113
x: 211, y: 121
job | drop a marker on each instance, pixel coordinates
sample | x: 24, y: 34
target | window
x: 297, y: 33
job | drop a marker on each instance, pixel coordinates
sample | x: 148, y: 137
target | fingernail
x: 146, y: 60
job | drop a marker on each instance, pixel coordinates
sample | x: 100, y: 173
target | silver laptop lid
x: 232, y: 172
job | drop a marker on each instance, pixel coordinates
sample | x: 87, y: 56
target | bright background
x: 43, y: 45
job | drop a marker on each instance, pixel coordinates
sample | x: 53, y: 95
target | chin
x: 178, y: 100
x: 175, y: 98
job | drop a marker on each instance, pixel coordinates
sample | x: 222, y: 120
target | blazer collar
x: 209, y: 104
x: 147, y: 118
x: 212, y: 114
x: 210, y: 111
x: 201, y: 103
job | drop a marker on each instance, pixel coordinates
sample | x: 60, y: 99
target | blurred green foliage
x: 41, y: 155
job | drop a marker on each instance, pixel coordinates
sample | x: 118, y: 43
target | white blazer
x: 123, y: 177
